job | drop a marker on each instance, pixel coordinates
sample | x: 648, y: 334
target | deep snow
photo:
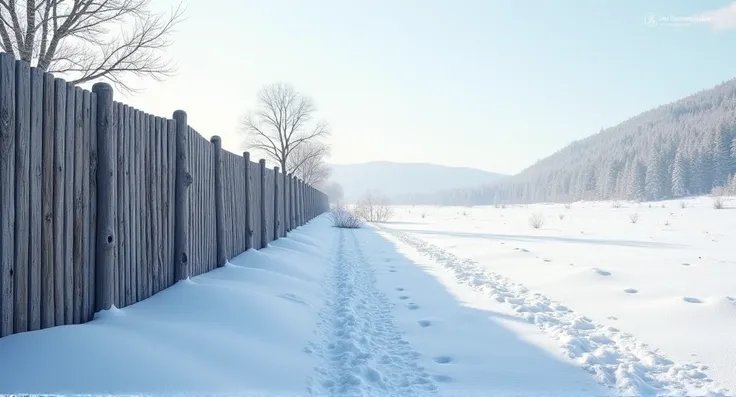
x: 443, y: 304
x: 664, y: 284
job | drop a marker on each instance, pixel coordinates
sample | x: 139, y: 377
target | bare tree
x: 89, y: 39
x: 373, y: 208
x: 282, y: 123
x: 307, y: 161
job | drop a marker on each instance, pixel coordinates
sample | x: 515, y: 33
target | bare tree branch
x: 88, y: 40
x: 308, y: 163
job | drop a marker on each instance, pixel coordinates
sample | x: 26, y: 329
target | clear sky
x: 495, y: 85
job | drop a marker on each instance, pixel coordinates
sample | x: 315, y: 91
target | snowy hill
x: 678, y: 149
x: 401, y: 180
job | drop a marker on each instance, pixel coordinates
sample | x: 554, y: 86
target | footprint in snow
x: 399, y: 289
x: 685, y: 264
x: 424, y: 323
x: 612, y: 318
x: 548, y: 260
x: 442, y: 378
x: 294, y: 298
x: 631, y: 291
x: 392, y: 270
x: 690, y: 299
x: 731, y: 298
x: 602, y: 272
x: 403, y: 297
x: 412, y: 306
x: 442, y: 359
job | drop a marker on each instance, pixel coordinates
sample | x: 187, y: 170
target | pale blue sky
x: 494, y: 85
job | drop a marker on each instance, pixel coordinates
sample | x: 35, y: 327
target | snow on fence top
x: 102, y: 204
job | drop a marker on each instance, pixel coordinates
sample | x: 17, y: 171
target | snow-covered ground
x: 666, y: 281
x: 474, y: 304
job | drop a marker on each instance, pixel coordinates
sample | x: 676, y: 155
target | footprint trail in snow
x: 361, y: 349
x: 616, y: 359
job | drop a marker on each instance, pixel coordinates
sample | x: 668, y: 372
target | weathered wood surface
x: 106, y: 238
x: 22, y: 195
x: 7, y: 193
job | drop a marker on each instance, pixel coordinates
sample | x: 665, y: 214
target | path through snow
x: 360, y: 346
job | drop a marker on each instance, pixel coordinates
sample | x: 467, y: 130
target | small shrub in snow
x: 666, y: 223
x: 718, y: 203
x: 616, y: 204
x: 683, y: 204
x: 562, y: 216
x: 424, y: 215
x: 536, y: 220
x: 633, y: 217
x: 342, y: 217
x: 568, y: 205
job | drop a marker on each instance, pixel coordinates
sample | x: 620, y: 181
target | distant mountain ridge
x: 401, y: 181
x: 686, y: 147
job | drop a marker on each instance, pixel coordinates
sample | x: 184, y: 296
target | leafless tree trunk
x: 87, y: 40
x: 283, y: 125
x: 308, y: 163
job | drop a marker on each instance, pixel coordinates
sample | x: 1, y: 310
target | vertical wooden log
x: 292, y: 199
x: 92, y: 213
x: 123, y: 246
x: 54, y: 135
x: 160, y: 201
x: 148, y: 244
x: 41, y: 210
x: 264, y: 233
x: 87, y: 272
x: 70, y: 144
x: 297, y: 185
x: 22, y: 194
x: 172, y: 189
x: 106, y: 198
x: 276, y: 220
x: 300, y: 202
x: 297, y: 195
x: 181, y: 199
x: 137, y: 190
x: 285, y: 183
x: 164, y: 195
x: 247, y: 202
x: 7, y: 193
x: 155, y: 186
x: 219, y: 201
x: 77, y: 224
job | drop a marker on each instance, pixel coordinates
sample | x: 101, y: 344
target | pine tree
x: 679, y: 176
x: 653, y: 178
x: 635, y: 181
x: 721, y: 155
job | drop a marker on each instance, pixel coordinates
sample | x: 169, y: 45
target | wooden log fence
x: 104, y: 205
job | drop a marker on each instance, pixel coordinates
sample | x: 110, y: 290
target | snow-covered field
x: 441, y: 301
x: 667, y: 281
